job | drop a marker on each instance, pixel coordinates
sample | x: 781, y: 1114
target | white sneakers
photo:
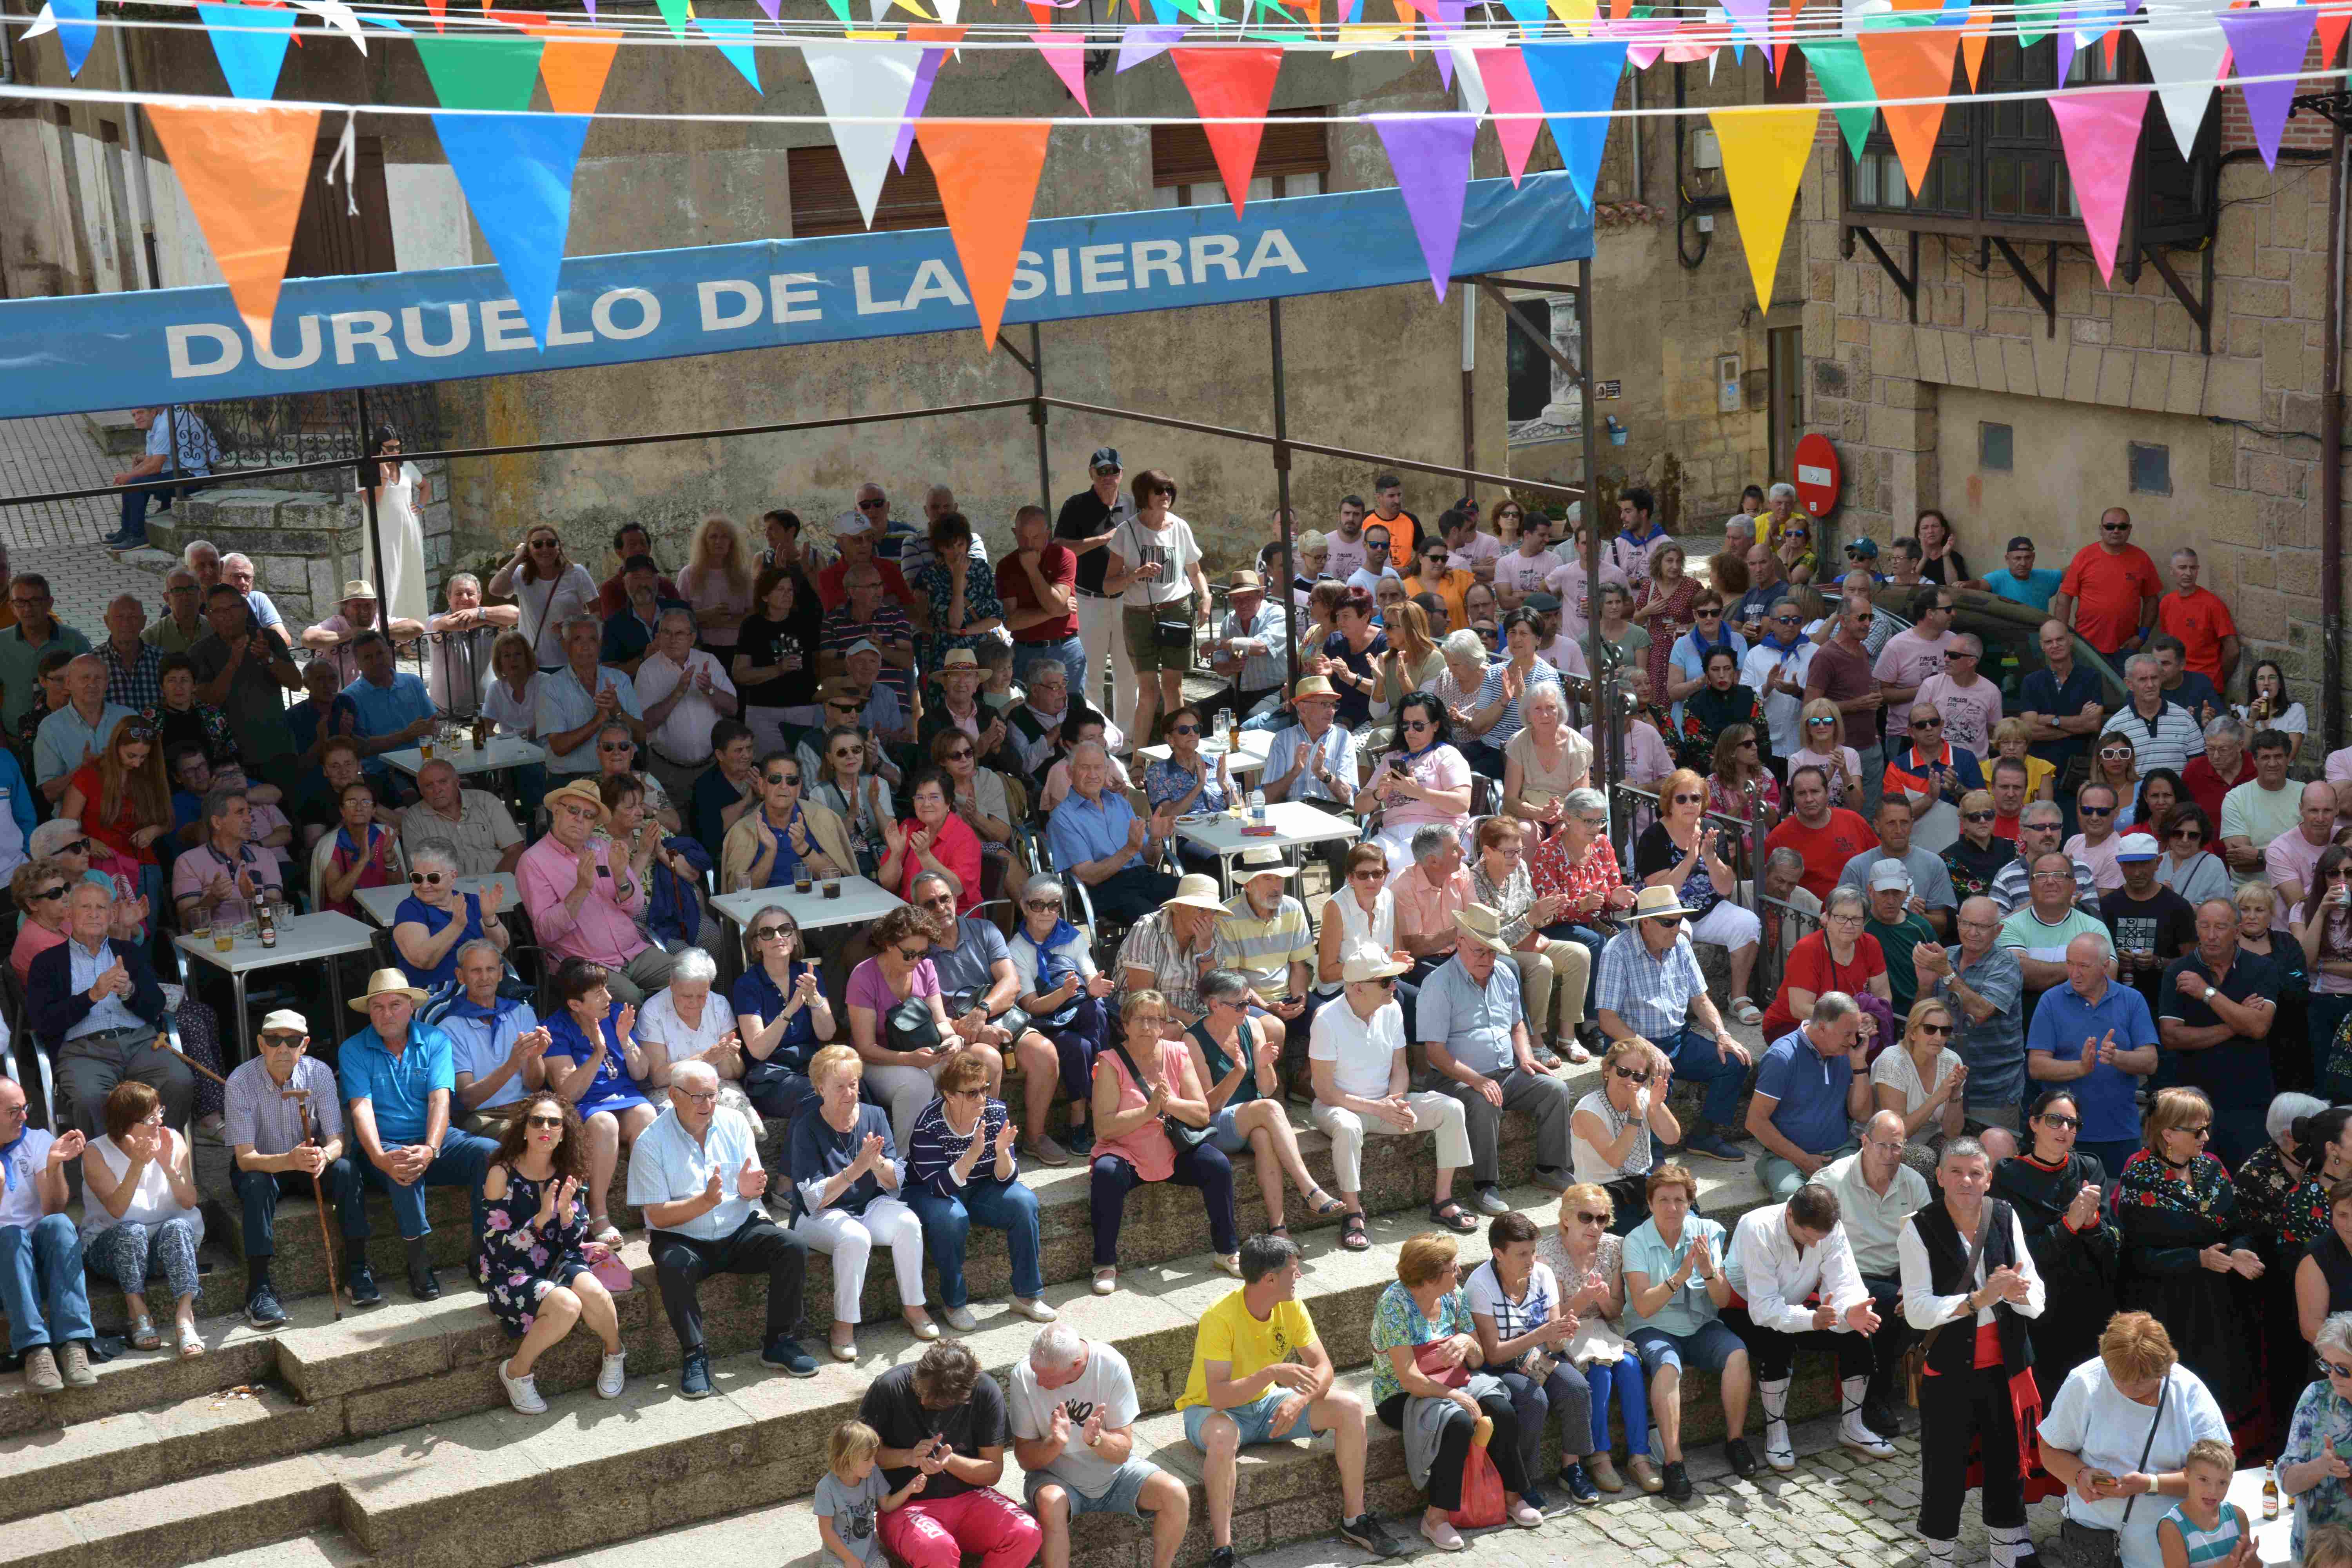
x: 609, y: 1375
x: 1526, y: 1515
x: 1853, y: 1434
x: 1777, y: 1451
x: 523, y: 1393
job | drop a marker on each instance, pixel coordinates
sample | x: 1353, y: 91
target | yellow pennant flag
x: 1577, y: 13
x: 1764, y: 152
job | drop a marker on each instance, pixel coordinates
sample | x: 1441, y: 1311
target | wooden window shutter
x: 328, y: 241
x: 822, y: 201
x: 1180, y: 155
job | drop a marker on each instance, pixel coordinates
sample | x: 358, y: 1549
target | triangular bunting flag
x: 1066, y: 54
x: 1571, y: 79
x: 678, y: 12
x: 2268, y: 42
x: 2184, y: 49
x: 1431, y: 155
x: 76, y: 25
x: 244, y: 172
x: 1510, y: 92
x: 2100, y: 132
x: 574, y: 65
x: 868, y: 79
x: 1912, y: 62
x: 2331, y: 36
x: 1845, y: 82
x: 1231, y: 84
x: 250, y: 44
x: 926, y: 72
x: 732, y: 37
x: 1750, y: 21
x: 1466, y: 72
x: 1973, y: 39
x: 987, y: 174
x: 481, y: 70
x: 516, y: 171
x: 338, y: 16
x: 1764, y: 152
x: 1136, y: 45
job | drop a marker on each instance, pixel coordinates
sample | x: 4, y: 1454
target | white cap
x: 1889, y: 876
x: 849, y: 525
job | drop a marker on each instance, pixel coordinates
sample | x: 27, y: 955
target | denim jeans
x: 1008, y: 1207
x: 42, y: 1284
x: 136, y: 502
x: 461, y: 1162
x: 259, y: 1191
x: 1696, y: 1061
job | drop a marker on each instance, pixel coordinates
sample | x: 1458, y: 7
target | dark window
x: 822, y: 201
x: 328, y: 241
x: 1292, y: 159
x: 2151, y: 469
x: 1529, y: 369
x: 1996, y: 448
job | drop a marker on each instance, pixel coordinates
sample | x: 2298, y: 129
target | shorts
x: 1125, y: 1488
x: 1229, y: 1139
x: 1143, y: 647
x: 1708, y: 1350
x: 1255, y: 1419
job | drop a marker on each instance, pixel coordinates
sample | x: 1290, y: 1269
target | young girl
x: 2010, y: 738
x: 851, y: 1498
x: 2202, y: 1527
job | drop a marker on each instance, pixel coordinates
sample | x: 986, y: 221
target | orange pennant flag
x: 1912, y: 62
x: 987, y: 174
x: 244, y: 169
x: 1973, y: 39
x: 574, y: 65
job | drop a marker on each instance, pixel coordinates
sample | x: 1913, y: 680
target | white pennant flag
x: 336, y: 15
x: 47, y: 22
x: 1468, y: 77
x: 870, y: 79
x: 2184, y: 45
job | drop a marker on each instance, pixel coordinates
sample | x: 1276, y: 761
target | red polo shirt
x: 2207, y: 787
x: 2106, y: 590
x: 1058, y: 564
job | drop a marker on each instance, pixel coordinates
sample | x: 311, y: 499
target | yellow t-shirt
x: 1228, y: 1334
x: 2036, y: 770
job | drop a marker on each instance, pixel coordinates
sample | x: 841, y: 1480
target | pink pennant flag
x: 1510, y: 92
x: 1067, y: 52
x: 2100, y: 132
x: 1431, y: 155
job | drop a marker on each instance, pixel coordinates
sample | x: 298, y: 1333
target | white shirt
x: 685, y: 736
x: 1360, y: 1050
x: 658, y: 1023
x: 1922, y: 1309
x: 1367, y: 580
x: 2092, y: 1419
x: 1873, y: 1222
x: 513, y: 715
x: 1783, y: 713
x: 1172, y: 545
x: 1766, y: 1268
x: 1104, y: 1385
x: 546, y: 605
x: 666, y: 1166
x: 20, y: 1199
x: 1361, y: 933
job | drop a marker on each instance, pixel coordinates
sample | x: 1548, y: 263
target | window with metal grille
x: 823, y: 203
x: 1996, y: 446
x: 2151, y: 469
x: 1292, y: 161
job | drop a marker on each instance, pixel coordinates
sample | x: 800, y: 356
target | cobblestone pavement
x: 1836, y: 1510
x: 59, y: 538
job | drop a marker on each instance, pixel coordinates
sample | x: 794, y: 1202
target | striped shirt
x: 2169, y: 743
x: 1264, y: 948
x: 1652, y: 995
x: 1491, y: 692
x: 2202, y: 1546
x: 2012, y: 885
x: 256, y: 1111
x: 934, y: 1147
x: 1262, y: 671
x: 1151, y: 946
x: 889, y: 626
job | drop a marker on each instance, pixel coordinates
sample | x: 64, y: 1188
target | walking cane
x: 318, y: 1189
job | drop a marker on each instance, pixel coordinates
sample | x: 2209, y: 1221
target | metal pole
x: 1470, y: 387
x: 1037, y: 417
x: 1607, y: 741
x: 2331, y: 455
x: 375, y: 527
x: 1282, y: 492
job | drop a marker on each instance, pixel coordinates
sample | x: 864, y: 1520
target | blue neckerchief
x: 787, y: 866
x: 344, y: 842
x: 1703, y: 648
x: 1049, y: 959
x: 1795, y: 638
x: 10, y: 1148
x: 462, y: 1007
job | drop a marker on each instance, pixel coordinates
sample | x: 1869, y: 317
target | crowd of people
x: 2030, y: 968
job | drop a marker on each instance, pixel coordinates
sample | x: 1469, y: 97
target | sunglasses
x: 910, y: 956
x: 46, y: 894
x: 1586, y: 1216
x: 2114, y: 528
x: 1688, y: 799
x: 1630, y: 1075
x: 549, y: 1122
x: 873, y: 506
x: 622, y: 750
x: 1042, y: 905
x: 1977, y: 816
x: 280, y: 1042
x: 846, y: 704
x: 1941, y: 1030
x: 1820, y: 723
x: 1419, y: 724
x: 1926, y: 724
x: 2096, y: 810
x: 1172, y: 729
x: 1708, y: 615
x: 543, y: 544
x: 965, y: 754
x: 2063, y: 1123
x: 2194, y: 835
x: 2117, y: 753
x: 791, y: 779
x: 2201, y: 1132
x: 425, y: 878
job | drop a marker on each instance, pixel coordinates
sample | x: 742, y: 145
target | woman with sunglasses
x: 1977, y: 857
x: 1686, y: 672
x: 1738, y: 784
x: 435, y: 920
x: 1133, y: 1144
x: 2188, y: 1257
x: 1425, y: 780
x: 1359, y: 919
x: 2268, y: 707
x: 978, y: 793
x: 781, y: 1016
x: 534, y: 1256
x: 2189, y: 866
x: 859, y: 798
x: 1066, y: 1000
x: 2116, y: 764
x: 1922, y: 1083
x: 1794, y: 546
x: 1414, y: 662
x: 1615, y: 1131
x: 1185, y: 781
x: 2311, y: 1466
x: 1499, y: 880
x: 2160, y: 790
x: 1824, y: 726
x: 38, y: 890
x: 961, y: 1170
x: 1238, y: 1060
x: 900, y: 1072
x: 548, y: 587
x: 2058, y: 1192
x: 1681, y: 851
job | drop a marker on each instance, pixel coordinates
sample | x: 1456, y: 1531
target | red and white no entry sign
x: 1818, y: 475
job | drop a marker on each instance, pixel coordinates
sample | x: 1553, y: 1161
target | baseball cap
x: 2020, y: 542
x: 1889, y: 874
x: 1866, y: 548
x: 863, y: 644
x: 2136, y: 847
x: 849, y: 525
x: 1104, y: 458
x: 286, y: 1021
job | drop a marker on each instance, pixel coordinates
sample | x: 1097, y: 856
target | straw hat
x: 386, y: 983
x: 357, y: 588
x: 960, y: 658
x: 1371, y: 966
x: 1659, y: 903
x: 1312, y: 686
x: 1480, y: 924
x: 1198, y: 891
x: 579, y: 789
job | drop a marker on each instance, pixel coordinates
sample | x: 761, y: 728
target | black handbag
x: 2093, y: 1546
x: 910, y: 1026
x: 1181, y: 1133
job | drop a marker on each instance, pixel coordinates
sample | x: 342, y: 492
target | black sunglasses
x: 1977, y: 816
x: 49, y: 894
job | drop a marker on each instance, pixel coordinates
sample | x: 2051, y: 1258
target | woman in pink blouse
x: 1427, y: 782
x: 936, y: 840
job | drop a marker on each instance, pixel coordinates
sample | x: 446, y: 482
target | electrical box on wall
x: 1729, y: 398
x: 1705, y: 152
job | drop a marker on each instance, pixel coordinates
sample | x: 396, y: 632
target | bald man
x: 2293, y: 857
x: 76, y: 733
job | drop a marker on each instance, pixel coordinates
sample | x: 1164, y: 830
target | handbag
x: 1915, y: 1356
x: 910, y: 1026
x: 1181, y: 1133
x: 1434, y: 1368
x: 1171, y: 633
x: 2095, y: 1546
x: 1482, y: 1492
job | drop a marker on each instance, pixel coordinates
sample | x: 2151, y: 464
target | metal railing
x: 317, y: 427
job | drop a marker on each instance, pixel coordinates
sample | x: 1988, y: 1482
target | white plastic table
x: 1249, y: 759
x: 1294, y: 822
x: 861, y: 900
x: 382, y: 903
x: 303, y: 939
x: 2271, y: 1539
x: 503, y: 751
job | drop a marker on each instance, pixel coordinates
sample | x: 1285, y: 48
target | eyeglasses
x: 1844, y: 920
x: 1976, y: 816
x: 1942, y: 1030
x: 1926, y: 724
x: 2063, y: 1123
x: 1630, y: 1075
x: 1688, y: 799
x: 551, y: 1121
x: 2334, y: 1369
x: 707, y: 1097
x: 425, y: 878
x: 1044, y: 906
x: 2053, y: 876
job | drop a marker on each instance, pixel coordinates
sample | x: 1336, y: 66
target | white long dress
x: 403, y: 545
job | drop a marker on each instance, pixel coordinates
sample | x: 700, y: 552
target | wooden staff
x: 318, y: 1189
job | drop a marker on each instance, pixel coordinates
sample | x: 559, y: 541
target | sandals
x: 190, y: 1343
x: 606, y: 1232
x: 142, y: 1335
x: 1324, y: 1205
x: 1745, y: 1011
x: 1351, y: 1235
x: 1450, y: 1215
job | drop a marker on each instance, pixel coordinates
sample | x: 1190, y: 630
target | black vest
x: 1954, y: 1351
x: 2334, y: 1267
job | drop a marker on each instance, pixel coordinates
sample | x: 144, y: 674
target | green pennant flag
x: 2035, y: 23
x: 472, y: 71
x: 674, y: 13
x: 1844, y: 78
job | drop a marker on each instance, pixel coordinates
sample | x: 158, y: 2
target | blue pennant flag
x: 733, y: 35
x: 516, y: 171
x: 249, y: 41
x: 77, y: 30
x: 1578, y: 78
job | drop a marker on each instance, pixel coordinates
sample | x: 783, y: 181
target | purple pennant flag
x: 1750, y: 21
x: 2268, y: 42
x: 2066, y: 42
x: 1431, y: 156
x: 1139, y: 44
x: 928, y: 67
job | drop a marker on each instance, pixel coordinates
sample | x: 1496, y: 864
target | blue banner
x: 189, y: 345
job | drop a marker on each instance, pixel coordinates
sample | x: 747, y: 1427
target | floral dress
x: 2273, y: 1202
x: 1665, y: 628
x: 517, y: 1262
x: 1164, y: 781
x: 980, y: 604
x: 1397, y: 1320
x: 2321, y: 1416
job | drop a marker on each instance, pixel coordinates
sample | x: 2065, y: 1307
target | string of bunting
x: 243, y: 162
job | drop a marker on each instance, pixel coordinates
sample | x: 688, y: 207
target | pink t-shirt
x: 1440, y: 767
x: 870, y: 989
x: 2291, y: 858
x: 1564, y: 654
x: 1347, y: 557
x: 1526, y: 574
x: 1909, y: 658
x: 33, y: 939
x: 1482, y: 547
x: 1970, y: 713
x: 1575, y: 603
x: 2339, y: 770
x: 2106, y: 873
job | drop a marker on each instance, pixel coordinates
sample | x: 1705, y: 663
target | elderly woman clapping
x: 847, y: 1179
x: 683, y: 1023
x: 435, y: 920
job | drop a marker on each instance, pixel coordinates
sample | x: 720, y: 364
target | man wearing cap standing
x: 2020, y: 581
x: 1037, y: 585
x: 584, y: 896
x: 1898, y: 929
x: 1086, y: 524
x: 398, y: 1078
x: 685, y: 692
x: 283, y: 1122
x: 1251, y: 648
x: 333, y: 637
x: 1473, y: 1027
x: 1355, y: 1053
x: 2152, y: 924
x: 1651, y: 987
x: 1931, y: 879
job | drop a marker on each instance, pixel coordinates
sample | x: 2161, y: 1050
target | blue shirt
x: 2063, y: 1021
x: 417, y: 911
x: 1809, y: 1089
x: 2034, y: 592
x: 1651, y: 995
x: 2040, y: 693
x: 382, y: 709
x: 397, y: 1089
x: 83, y: 969
x: 1690, y: 1309
x: 564, y: 704
x: 760, y: 996
x: 478, y: 1045
x: 613, y: 1089
x: 1081, y: 830
x: 1473, y: 1020
x: 60, y: 737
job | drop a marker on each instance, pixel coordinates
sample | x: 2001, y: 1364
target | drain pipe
x: 2331, y: 453
x: 143, y: 198
x: 1635, y: 121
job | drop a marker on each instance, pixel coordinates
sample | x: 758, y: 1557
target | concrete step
x: 181, y: 1521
